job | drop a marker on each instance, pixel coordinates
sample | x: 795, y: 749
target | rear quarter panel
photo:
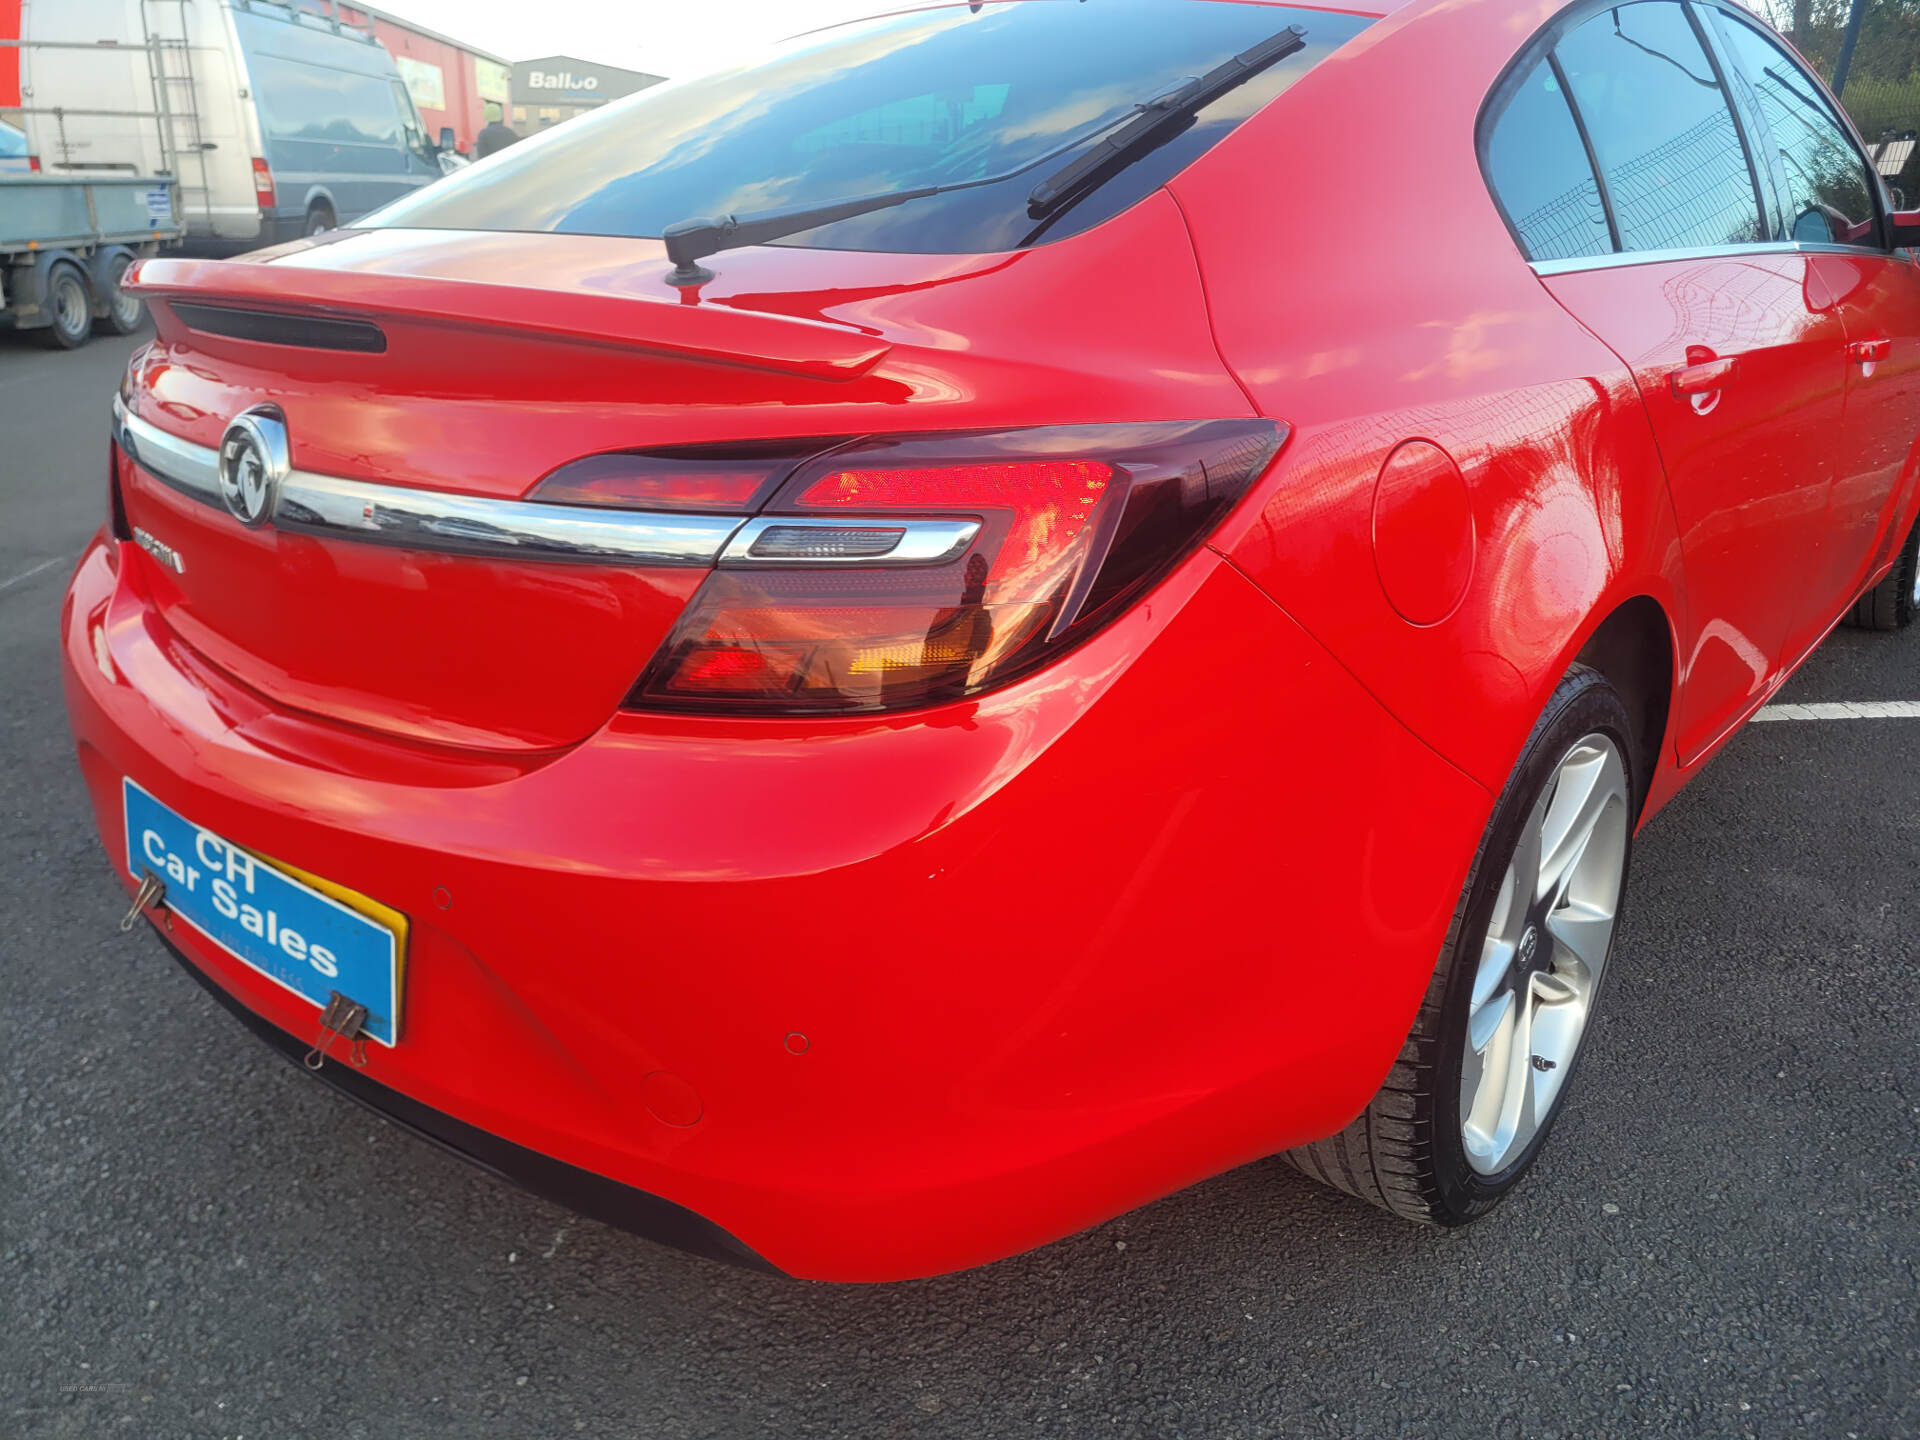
x: 1364, y: 289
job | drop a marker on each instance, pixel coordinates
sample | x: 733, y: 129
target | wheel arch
x: 99, y: 268
x: 1634, y: 647
x: 31, y: 287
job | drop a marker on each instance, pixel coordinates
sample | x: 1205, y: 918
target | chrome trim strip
x: 191, y: 469
x: 1705, y: 252
x: 330, y: 505
x: 433, y: 520
x: 921, y: 542
x: 471, y: 525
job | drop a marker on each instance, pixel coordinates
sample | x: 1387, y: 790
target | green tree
x: 1889, y: 48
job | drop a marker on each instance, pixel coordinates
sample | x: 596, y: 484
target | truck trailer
x: 67, y: 238
x: 274, y: 121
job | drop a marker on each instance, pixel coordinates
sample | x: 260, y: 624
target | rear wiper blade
x: 1158, y: 116
x: 690, y: 241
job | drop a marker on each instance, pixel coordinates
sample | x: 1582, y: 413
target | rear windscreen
x: 927, y: 98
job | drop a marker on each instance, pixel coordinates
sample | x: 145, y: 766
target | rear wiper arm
x: 690, y: 241
x: 1158, y: 116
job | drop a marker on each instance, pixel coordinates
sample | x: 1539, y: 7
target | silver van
x: 276, y: 121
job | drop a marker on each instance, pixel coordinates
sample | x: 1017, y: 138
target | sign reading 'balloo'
x: 567, y: 80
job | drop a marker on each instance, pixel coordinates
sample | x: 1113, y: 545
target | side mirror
x: 446, y: 137
x: 1903, y: 228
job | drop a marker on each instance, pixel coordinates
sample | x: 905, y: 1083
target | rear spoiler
x: 710, y: 334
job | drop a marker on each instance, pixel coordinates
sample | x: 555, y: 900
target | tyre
x: 125, y: 313
x: 1893, y: 603
x: 71, y: 303
x: 320, y: 220
x: 1482, y: 1077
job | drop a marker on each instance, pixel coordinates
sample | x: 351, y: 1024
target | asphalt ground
x: 1720, y: 1241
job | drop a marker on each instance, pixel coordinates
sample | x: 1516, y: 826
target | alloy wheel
x: 1541, y: 961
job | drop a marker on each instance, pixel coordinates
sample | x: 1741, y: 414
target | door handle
x: 1705, y: 378
x: 1700, y: 383
x: 1869, y: 352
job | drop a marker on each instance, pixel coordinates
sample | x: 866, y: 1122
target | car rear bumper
x: 594, y: 1196
x: 879, y: 998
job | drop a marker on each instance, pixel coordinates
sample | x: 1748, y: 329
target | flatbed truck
x: 65, y: 243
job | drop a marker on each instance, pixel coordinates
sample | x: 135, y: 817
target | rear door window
x: 1676, y: 170
x: 930, y: 97
x: 316, y: 102
x: 1538, y: 168
x: 1823, y: 189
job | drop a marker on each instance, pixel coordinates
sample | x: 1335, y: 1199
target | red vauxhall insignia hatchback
x: 867, y: 661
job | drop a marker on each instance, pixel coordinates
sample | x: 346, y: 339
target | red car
x: 867, y: 661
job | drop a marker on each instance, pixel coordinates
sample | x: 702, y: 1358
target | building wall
x: 529, y: 118
x: 555, y: 88
x: 9, y: 56
x: 462, y: 79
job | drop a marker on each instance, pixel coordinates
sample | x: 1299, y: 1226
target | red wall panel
x: 458, y: 78
x: 9, y: 57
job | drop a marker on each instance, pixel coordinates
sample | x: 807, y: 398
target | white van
x: 276, y: 121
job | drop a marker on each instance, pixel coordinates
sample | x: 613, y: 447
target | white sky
x: 674, y: 38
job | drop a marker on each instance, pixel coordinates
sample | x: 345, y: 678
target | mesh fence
x: 1686, y: 191
x: 1884, y: 109
x: 1682, y: 192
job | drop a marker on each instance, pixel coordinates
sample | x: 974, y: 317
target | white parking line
x: 28, y: 574
x: 1845, y: 710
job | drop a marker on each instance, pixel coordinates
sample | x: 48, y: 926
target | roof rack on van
x: 303, y: 12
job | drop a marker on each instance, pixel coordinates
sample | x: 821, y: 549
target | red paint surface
x: 9, y: 54
x: 1423, y: 532
x: 1070, y: 944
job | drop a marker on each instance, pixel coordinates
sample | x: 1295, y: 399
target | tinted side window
x: 1675, y: 168
x: 1824, y: 193
x: 1540, y: 174
x: 313, y: 102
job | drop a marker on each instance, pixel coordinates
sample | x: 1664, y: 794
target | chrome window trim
x: 921, y: 542
x: 361, y: 510
x: 1704, y: 252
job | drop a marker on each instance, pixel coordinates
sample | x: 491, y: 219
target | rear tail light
x: 892, y: 573
x: 263, y: 184
x: 33, y: 164
x: 716, y: 479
